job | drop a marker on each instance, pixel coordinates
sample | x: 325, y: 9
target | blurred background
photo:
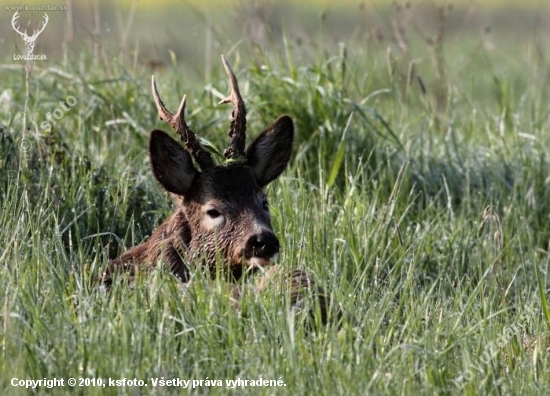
x: 157, y: 33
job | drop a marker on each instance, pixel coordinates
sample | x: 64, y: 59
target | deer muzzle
x: 261, y: 249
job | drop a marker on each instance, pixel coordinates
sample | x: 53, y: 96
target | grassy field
x: 418, y: 195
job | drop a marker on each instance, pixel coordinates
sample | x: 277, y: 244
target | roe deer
x: 222, y: 214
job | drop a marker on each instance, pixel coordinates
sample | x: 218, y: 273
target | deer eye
x: 213, y: 213
x: 265, y: 206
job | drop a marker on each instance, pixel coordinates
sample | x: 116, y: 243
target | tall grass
x: 425, y: 218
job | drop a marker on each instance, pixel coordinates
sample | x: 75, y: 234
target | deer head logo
x: 29, y: 40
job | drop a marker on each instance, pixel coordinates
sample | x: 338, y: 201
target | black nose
x: 264, y: 244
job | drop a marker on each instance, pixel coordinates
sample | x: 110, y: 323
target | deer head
x: 29, y: 40
x: 222, y: 209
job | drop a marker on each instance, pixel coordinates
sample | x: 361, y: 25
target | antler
x: 237, y: 132
x: 177, y: 122
x: 16, y: 28
x: 35, y: 33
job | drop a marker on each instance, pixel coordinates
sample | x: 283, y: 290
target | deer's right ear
x: 172, y: 165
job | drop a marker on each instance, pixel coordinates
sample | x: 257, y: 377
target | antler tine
x: 177, y: 122
x: 237, y: 132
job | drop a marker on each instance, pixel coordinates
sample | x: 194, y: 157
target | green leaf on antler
x: 207, y: 144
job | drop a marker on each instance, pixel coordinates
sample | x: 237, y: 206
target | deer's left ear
x: 269, y: 154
